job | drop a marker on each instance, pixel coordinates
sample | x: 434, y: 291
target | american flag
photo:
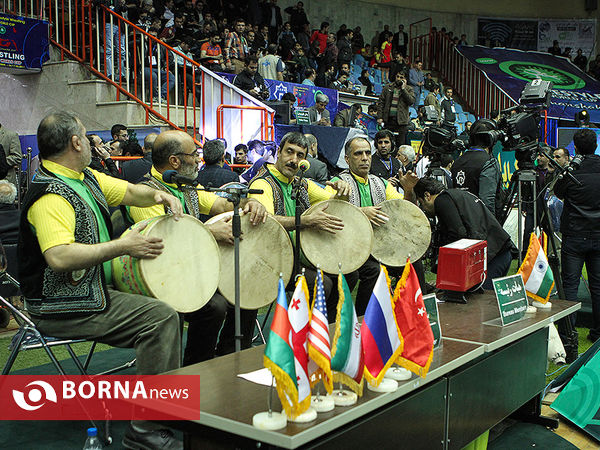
x: 319, y: 347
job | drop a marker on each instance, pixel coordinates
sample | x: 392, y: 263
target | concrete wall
x: 459, y: 16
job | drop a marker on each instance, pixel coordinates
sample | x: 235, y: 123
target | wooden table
x: 455, y: 402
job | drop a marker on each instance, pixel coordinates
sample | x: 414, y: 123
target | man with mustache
x: 176, y: 150
x: 276, y: 181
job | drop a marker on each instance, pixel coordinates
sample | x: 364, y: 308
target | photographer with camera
x: 580, y: 224
x: 101, y: 160
x: 476, y: 170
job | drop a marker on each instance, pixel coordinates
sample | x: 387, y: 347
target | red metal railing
x: 137, y: 64
x: 420, y: 41
x: 267, y: 131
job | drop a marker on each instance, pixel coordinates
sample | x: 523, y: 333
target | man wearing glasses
x: 176, y: 150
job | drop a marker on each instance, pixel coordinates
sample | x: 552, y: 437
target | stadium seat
x: 412, y: 111
x: 471, y: 118
x: 458, y: 108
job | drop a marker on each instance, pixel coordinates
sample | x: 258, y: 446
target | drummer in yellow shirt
x: 276, y: 181
x: 176, y: 150
x: 366, y: 192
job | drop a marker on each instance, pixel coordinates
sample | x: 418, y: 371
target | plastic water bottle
x: 92, y: 442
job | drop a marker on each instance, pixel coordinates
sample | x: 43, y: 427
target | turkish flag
x: 413, y: 323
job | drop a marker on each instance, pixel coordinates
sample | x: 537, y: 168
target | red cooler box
x: 462, y: 265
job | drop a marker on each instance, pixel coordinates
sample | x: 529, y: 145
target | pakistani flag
x: 536, y: 272
x: 279, y: 355
x: 347, y: 360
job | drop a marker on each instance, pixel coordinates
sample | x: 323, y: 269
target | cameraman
x: 476, y: 170
x: 580, y: 224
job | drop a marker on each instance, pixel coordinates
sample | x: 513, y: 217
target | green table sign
x: 434, y: 318
x: 512, y: 298
x: 302, y: 116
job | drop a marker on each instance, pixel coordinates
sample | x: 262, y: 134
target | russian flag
x: 381, y: 339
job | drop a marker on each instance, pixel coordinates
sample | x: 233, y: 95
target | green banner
x: 512, y: 298
x: 434, y: 318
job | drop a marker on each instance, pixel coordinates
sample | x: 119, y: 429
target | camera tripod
x: 526, y: 181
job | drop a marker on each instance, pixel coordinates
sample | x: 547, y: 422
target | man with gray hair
x: 318, y: 169
x: 9, y: 214
x: 213, y: 174
x: 318, y: 113
x: 406, y: 155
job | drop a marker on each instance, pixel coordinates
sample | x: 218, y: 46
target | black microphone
x: 171, y: 176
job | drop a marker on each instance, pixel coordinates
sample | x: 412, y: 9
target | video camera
x: 518, y: 126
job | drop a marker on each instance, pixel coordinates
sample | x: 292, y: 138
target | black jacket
x: 462, y: 215
x: 581, y: 211
x: 382, y: 168
x: 216, y: 176
x: 246, y: 83
x: 9, y: 223
x: 134, y: 170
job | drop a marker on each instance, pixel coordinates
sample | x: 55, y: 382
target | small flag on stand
x: 536, y: 272
x: 413, y: 323
x: 279, y: 355
x: 346, y: 349
x: 319, y: 347
x: 380, y: 337
x: 298, y: 315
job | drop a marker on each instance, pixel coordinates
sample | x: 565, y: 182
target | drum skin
x: 185, y: 275
x: 407, y: 233
x: 349, y: 247
x: 265, y: 252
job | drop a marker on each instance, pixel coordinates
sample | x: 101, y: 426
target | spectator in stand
x: 386, y: 59
x: 567, y: 53
x: 372, y: 110
x: 344, y: 46
x: 341, y: 31
x: 361, y: 59
x: 303, y: 38
x: 417, y: 80
x: 385, y: 35
x: 168, y: 14
x: 358, y: 41
x: 309, y: 77
x: 318, y: 169
x: 263, y: 37
x: 392, y: 108
x: 188, y: 11
x: 463, y: 40
x: 297, y: 17
x: 250, y: 81
x: 236, y: 48
x: 398, y: 65
x: 151, y: 72
x: 211, y: 55
x: 326, y: 79
x: 580, y: 60
x: 175, y: 32
x: 286, y: 40
x: 330, y: 54
x: 144, y: 21
x: 272, y: 19
x: 196, y: 19
x: 209, y: 20
x: 365, y: 80
x: 188, y: 82
x: 321, y: 36
x: 341, y: 84
x: 301, y: 63
x: 240, y: 157
x: 134, y: 170
x: 271, y: 66
x: 432, y: 100
x: 213, y: 174
x: 555, y: 49
x: 400, y: 42
x: 430, y: 83
x: 112, y: 40
x: 253, y: 44
x: 448, y: 110
x: 318, y: 113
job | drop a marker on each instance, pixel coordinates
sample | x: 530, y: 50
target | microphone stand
x: 296, y: 184
x: 235, y: 195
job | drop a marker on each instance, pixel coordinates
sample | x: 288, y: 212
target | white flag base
x: 269, y: 421
x: 343, y: 397
x: 541, y: 305
x: 531, y: 310
x: 322, y: 403
x: 398, y: 374
x: 386, y: 385
x: 307, y: 416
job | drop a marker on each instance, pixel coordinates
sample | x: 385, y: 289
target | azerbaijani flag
x: 346, y: 349
x: 413, y: 323
x: 536, y: 272
x: 279, y: 355
x: 379, y: 332
x: 298, y: 315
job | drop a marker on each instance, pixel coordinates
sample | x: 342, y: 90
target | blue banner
x: 305, y: 95
x: 23, y: 42
x: 511, y: 70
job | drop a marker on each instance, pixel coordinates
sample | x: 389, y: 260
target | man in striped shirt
x: 236, y: 48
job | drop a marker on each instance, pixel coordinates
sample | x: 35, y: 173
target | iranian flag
x: 346, y: 349
x: 536, y: 272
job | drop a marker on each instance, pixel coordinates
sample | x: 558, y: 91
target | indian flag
x: 536, y: 272
x: 346, y: 349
